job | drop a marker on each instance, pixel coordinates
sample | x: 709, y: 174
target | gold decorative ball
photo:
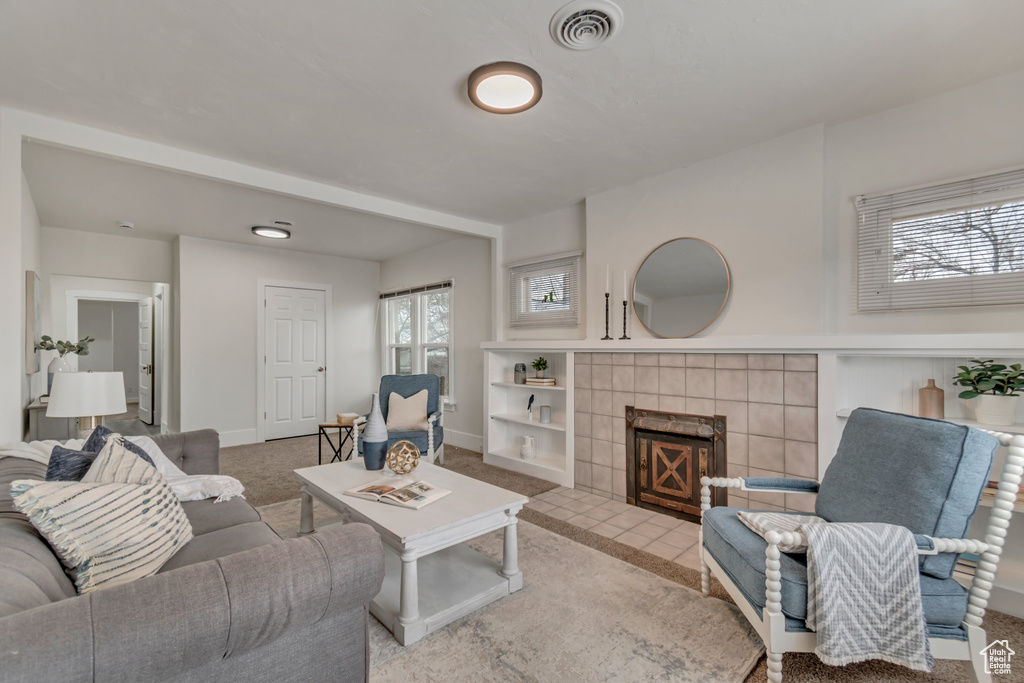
x: 403, y: 457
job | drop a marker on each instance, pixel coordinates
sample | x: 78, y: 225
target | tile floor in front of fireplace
x: 659, y: 534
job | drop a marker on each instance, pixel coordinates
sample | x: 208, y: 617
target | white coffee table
x: 430, y: 578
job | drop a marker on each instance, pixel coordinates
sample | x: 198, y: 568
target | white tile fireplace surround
x: 769, y: 400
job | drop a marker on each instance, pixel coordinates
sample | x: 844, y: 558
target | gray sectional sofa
x: 236, y: 603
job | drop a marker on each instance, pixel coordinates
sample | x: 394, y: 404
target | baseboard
x: 237, y: 438
x: 473, y: 442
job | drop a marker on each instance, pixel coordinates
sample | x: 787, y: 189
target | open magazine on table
x: 406, y: 492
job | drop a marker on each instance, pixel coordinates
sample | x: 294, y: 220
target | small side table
x: 344, y: 435
x: 41, y: 427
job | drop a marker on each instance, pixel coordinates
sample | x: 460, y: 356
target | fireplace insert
x: 667, y: 454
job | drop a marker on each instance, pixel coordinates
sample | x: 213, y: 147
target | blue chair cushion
x: 409, y: 385
x: 926, y: 475
x: 417, y: 437
x: 740, y: 553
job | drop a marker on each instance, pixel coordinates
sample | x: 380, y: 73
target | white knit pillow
x: 407, y: 414
x: 120, y: 523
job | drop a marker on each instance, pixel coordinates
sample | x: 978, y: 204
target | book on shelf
x: 406, y: 492
x: 540, y: 381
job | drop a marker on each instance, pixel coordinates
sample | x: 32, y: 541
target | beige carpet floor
x: 797, y: 668
x: 563, y: 629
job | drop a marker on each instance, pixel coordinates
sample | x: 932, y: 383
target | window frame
x: 520, y: 273
x: 418, y: 345
x: 878, y: 289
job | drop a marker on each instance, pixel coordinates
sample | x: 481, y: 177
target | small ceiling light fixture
x: 504, y: 87
x: 271, y: 231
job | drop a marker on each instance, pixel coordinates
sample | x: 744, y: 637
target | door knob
x: 321, y: 369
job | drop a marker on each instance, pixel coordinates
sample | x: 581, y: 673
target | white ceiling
x: 81, y: 191
x: 371, y: 95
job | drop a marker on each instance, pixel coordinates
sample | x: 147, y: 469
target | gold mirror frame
x: 725, y: 298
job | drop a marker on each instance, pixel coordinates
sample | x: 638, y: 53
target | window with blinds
x: 955, y: 244
x: 545, y: 293
x: 417, y: 333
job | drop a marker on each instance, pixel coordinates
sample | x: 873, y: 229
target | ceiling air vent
x: 585, y: 24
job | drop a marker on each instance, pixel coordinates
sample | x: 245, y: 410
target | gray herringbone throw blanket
x: 863, y: 592
x: 864, y: 595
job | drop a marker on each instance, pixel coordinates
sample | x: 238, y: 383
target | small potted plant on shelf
x: 540, y: 365
x: 993, y: 389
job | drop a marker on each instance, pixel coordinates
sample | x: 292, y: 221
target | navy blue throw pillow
x: 98, y: 439
x: 68, y: 465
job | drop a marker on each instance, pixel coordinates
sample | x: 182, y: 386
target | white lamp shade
x: 85, y: 394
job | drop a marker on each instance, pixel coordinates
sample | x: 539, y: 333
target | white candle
x: 625, y: 294
x: 607, y: 278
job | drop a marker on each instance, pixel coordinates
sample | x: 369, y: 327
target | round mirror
x: 681, y: 288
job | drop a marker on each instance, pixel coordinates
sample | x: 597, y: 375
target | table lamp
x: 88, y: 395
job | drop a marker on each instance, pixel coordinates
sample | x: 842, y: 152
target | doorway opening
x: 130, y: 329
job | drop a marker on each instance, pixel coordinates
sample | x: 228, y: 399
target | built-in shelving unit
x: 508, y: 421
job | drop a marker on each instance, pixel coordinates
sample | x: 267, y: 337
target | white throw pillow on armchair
x: 407, y: 414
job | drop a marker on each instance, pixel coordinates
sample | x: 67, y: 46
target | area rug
x: 797, y: 668
x: 581, y: 616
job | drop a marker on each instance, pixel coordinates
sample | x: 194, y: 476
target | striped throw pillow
x: 122, y: 522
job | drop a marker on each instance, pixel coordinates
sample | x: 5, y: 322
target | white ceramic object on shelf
x: 58, y: 364
x: 527, y: 450
x: 992, y: 409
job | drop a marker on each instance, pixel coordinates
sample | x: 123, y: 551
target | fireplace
x: 667, y: 454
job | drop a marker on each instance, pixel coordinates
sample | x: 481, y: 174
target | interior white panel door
x: 146, y: 360
x: 296, y: 387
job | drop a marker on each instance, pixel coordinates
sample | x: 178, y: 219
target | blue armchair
x: 925, y: 475
x: 430, y: 441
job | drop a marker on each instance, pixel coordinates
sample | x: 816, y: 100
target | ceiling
x: 81, y: 191
x: 371, y: 95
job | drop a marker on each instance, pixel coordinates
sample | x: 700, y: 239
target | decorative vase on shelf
x: 540, y: 374
x: 520, y: 373
x: 58, y: 364
x: 993, y: 409
x: 527, y: 450
x: 931, y: 401
x: 375, y: 437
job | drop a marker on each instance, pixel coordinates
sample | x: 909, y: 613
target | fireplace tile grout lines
x: 659, y: 534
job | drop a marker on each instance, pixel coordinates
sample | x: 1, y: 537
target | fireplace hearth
x: 667, y: 454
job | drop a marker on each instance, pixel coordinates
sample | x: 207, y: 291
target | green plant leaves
x: 987, y: 376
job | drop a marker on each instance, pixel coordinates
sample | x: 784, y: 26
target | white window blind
x: 545, y: 293
x: 953, y: 244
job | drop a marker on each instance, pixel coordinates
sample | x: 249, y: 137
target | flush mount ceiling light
x: 271, y: 231
x: 504, y: 87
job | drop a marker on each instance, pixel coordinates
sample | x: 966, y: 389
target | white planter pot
x: 990, y: 409
x: 58, y: 364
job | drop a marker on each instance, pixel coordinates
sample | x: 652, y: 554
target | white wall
x: 115, y: 327
x: 760, y: 206
x: 32, y: 385
x: 467, y: 261
x: 971, y: 131
x: 782, y: 214
x: 218, y: 327
x: 557, y: 232
x: 96, y: 320
x: 120, y: 257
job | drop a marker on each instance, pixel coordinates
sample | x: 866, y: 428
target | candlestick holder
x: 607, y: 298
x: 625, y: 305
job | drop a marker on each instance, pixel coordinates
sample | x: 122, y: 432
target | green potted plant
x: 540, y: 365
x: 992, y: 388
x: 63, y: 348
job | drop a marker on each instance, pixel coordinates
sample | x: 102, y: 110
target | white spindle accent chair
x: 765, y: 610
